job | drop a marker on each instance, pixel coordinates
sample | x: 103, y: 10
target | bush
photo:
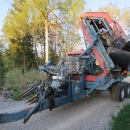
x: 122, y: 120
x: 13, y: 77
x: 17, y: 82
x: 16, y: 91
x: 17, y: 78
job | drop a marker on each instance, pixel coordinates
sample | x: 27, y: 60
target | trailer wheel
x: 118, y: 92
x: 127, y: 88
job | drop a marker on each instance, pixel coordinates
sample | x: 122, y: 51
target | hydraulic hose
x: 48, y: 92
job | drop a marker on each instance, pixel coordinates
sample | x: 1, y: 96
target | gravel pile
x: 92, y: 113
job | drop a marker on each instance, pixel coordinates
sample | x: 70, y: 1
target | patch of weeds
x: 122, y: 120
x: 16, y: 91
x: 16, y: 81
x: 128, y: 74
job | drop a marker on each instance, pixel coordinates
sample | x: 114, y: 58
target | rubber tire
x: 127, y: 88
x: 117, y: 90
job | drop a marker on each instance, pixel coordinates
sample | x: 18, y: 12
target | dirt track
x: 93, y: 113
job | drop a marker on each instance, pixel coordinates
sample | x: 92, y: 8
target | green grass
x: 16, y: 78
x: 17, y: 83
x: 128, y: 74
x: 15, y: 92
x: 122, y: 120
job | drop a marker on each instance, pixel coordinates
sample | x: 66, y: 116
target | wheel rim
x: 122, y: 93
x: 128, y: 90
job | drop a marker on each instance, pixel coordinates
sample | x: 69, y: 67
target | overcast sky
x: 90, y: 4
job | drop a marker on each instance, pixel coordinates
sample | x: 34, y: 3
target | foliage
x: 2, y: 70
x: 16, y: 82
x: 47, y: 21
x: 15, y: 92
x: 16, y: 77
x: 128, y: 74
x: 70, y: 41
x: 16, y: 21
x: 113, y: 10
x: 122, y: 15
x: 126, y: 16
x: 20, y: 53
x: 122, y: 120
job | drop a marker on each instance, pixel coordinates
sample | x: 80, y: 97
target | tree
x: 112, y: 9
x: 16, y: 22
x: 55, y: 13
x: 125, y: 17
x: 39, y: 18
x: 20, y: 53
x: 17, y: 29
x: 2, y: 69
x: 121, y: 15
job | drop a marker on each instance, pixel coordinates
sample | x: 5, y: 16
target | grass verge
x: 128, y: 74
x: 17, y: 83
x: 122, y: 120
x: 15, y: 92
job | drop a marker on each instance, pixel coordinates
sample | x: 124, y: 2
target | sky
x: 90, y: 4
x: 95, y: 4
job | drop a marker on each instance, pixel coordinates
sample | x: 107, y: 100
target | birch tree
x: 39, y: 17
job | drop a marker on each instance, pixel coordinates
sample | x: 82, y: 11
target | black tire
x: 118, y: 92
x: 127, y: 88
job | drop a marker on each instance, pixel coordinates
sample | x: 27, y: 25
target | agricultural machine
x: 101, y: 66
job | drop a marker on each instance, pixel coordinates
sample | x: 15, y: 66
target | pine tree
x: 20, y: 53
x: 2, y: 70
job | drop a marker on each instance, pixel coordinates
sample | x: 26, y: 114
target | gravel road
x: 93, y: 113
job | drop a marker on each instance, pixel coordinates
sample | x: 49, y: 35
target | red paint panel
x: 92, y: 78
x: 121, y: 31
x: 87, y: 36
x: 76, y: 52
x: 125, y: 71
x: 87, y: 78
x: 106, y: 16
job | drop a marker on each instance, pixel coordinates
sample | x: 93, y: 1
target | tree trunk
x: 35, y: 48
x: 46, y: 40
x: 24, y: 65
x: 13, y: 66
